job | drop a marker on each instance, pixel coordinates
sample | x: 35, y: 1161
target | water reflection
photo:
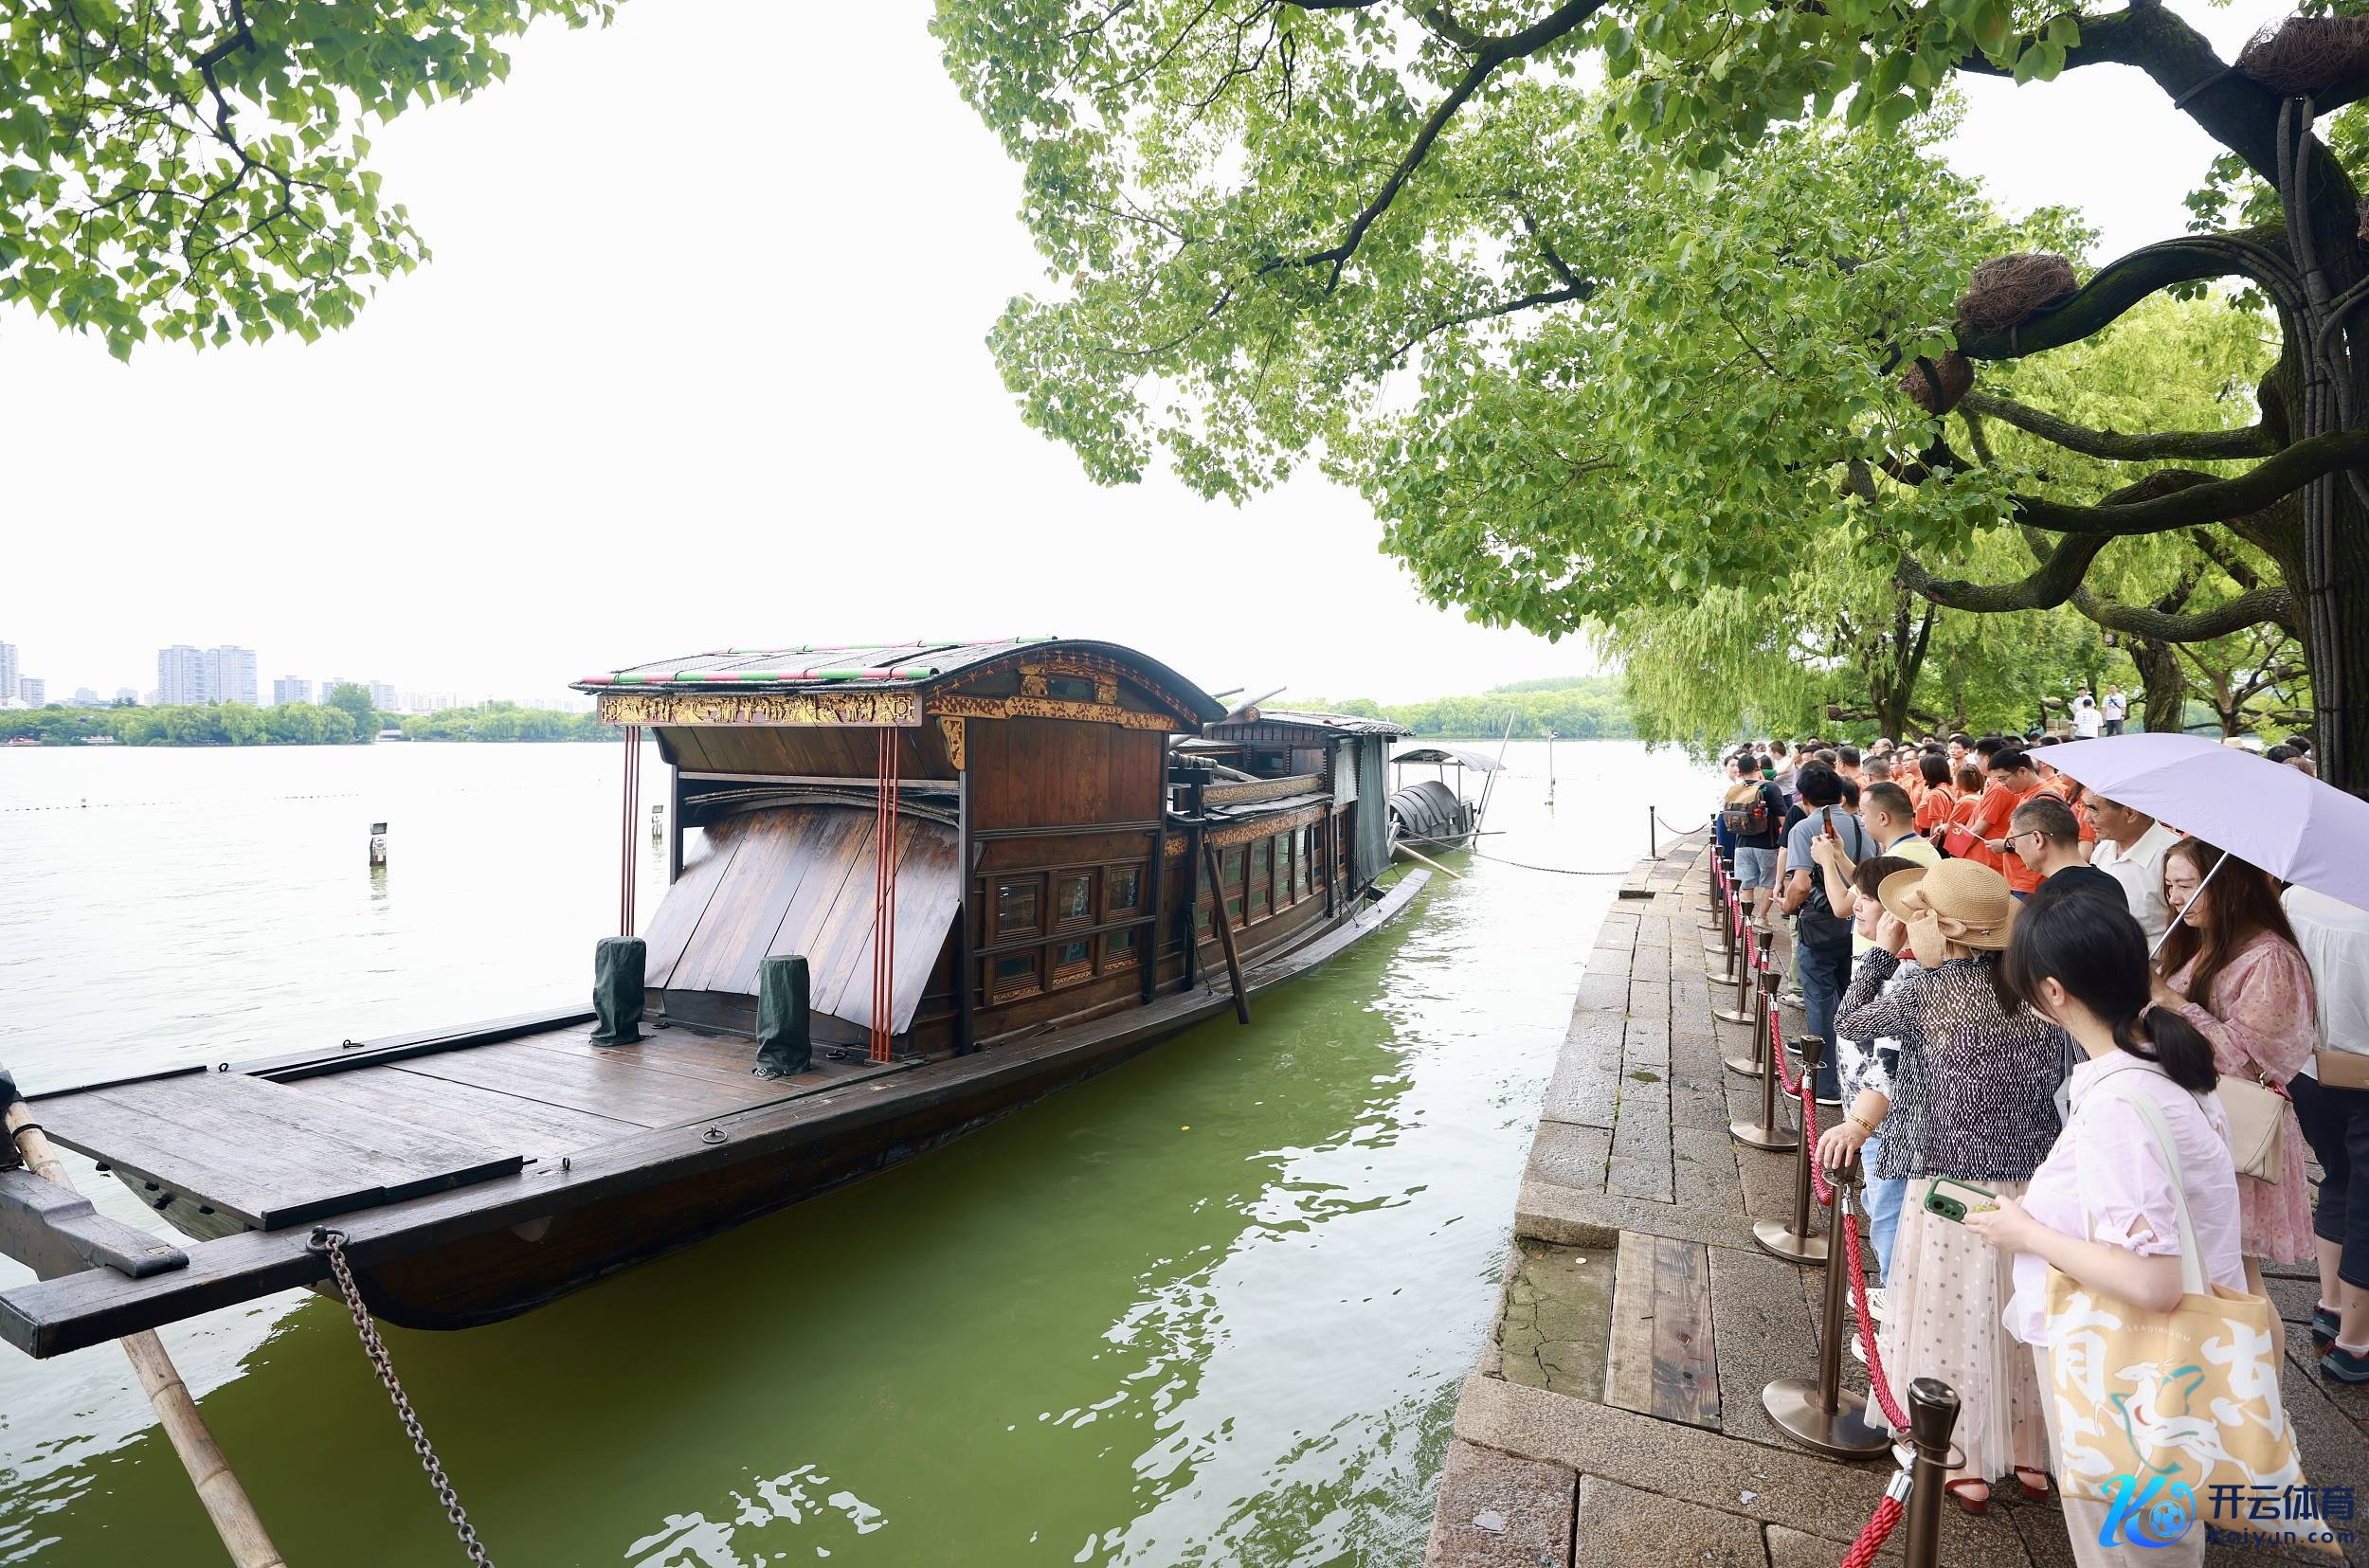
x: 1210, y: 1308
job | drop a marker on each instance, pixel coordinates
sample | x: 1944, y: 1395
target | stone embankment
x: 1616, y: 1416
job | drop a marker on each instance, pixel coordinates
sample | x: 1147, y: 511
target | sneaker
x: 2324, y: 1322
x: 1793, y: 1000
x: 1879, y: 1305
x: 2345, y: 1366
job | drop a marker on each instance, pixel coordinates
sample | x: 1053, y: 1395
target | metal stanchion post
x: 1750, y: 958
x: 1723, y: 907
x: 1822, y: 1416
x: 1932, y: 1417
x: 1755, y: 1055
x: 1652, y: 836
x: 1794, y: 1242
x: 1770, y: 1131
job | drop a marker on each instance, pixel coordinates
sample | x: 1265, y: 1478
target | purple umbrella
x: 2276, y: 817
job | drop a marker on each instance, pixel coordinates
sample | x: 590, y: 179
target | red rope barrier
x: 1699, y: 827
x: 1877, y: 1382
x: 1878, y: 1531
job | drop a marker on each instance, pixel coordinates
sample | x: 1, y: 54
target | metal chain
x: 332, y: 1244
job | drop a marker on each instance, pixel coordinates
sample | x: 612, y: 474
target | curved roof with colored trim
x: 1271, y: 725
x: 922, y: 666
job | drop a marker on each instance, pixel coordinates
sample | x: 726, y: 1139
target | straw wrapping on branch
x: 2305, y: 55
x: 1954, y: 370
x: 2007, y: 291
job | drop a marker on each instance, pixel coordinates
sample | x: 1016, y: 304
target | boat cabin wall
x: 1063, y: 823
x: 810, y: 751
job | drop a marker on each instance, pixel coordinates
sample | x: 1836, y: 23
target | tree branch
x: 1495, y: 53
x: 2256, y: 441
x: 2206, y: 500
x: 2247, y: 609
x: 2055, y: 580
x: 2121, y: 283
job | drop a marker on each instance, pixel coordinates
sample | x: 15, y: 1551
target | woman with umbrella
x: 2230, y: 966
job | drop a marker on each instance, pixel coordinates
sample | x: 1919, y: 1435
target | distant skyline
x: 646, y: 401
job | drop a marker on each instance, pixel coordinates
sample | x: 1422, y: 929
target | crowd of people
x: 1983, y: 942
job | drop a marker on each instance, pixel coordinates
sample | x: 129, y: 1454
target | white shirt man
x: 2130, y: 849
x: 2086, y: 720
x: 2117, y: 709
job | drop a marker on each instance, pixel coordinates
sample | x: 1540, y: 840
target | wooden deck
x: 269, y: 1154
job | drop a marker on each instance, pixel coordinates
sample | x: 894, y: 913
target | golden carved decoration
x: 1032, y: 683
x: 1106, y: 684
x: 786, y: 709
x: 955, y: 705
x: 1261, y: 827
x: 953, y: 730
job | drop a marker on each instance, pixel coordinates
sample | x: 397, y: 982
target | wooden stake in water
x: 235, y: 1519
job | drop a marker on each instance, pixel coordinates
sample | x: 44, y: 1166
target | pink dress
x: 2260, y: 1023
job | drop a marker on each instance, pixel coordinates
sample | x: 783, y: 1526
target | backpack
x: 1818, y: 927
x: 1749, y: 818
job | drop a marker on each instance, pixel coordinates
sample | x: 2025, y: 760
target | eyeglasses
x: 2027, y: 833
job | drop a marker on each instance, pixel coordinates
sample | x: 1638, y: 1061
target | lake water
x: 1210, y: 1308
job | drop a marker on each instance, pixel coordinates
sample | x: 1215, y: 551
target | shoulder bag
x: 2190, y: 1395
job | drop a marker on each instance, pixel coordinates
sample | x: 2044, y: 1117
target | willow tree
x: 1653, y: 322
x: 197, y: 169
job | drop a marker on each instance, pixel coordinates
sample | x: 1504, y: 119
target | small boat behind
x: 1432, y: 814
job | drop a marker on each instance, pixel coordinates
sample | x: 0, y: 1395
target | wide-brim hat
x: 1960, y: 901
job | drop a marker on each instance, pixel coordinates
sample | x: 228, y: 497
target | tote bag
x: 2190, y: 1395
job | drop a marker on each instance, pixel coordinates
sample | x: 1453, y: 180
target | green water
x: 1212, y: 1307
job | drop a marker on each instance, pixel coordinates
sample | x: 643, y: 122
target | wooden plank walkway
x: 265, y: 1153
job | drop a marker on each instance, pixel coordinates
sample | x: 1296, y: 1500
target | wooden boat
x: 1067, y: 882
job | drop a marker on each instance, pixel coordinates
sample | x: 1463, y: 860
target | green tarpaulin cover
x: 618, y: 966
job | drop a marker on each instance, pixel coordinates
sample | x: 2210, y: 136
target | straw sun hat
x: 1957, y: 901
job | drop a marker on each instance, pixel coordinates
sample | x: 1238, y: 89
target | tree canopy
x: 197, y: 169
x: 1607, y: 307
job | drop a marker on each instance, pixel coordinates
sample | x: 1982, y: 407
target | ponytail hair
x: 2087, y: 942
x: 2178, y: 1046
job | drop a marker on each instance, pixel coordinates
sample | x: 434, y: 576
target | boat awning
x: 799, y: 879
x: 1477, y: 761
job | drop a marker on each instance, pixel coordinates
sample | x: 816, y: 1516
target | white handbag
x: 2257, y: 1127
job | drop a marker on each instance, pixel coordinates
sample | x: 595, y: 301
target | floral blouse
x: 1978, y: 1085
x: 2262, y: 1017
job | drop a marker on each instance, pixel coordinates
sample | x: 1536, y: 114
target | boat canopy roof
x: 894, y: 682
x: 1479, y: 762
x: 1299, y: 727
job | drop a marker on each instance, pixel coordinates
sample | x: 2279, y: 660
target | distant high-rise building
x: 125, y: 694
x: 187, y: 676
x: 7, y: 669
x: 183, y: 677
x: 85, y: 697
x: 234, y: 674
x: 382, y: 695
x: 33, y: 689
x: 289, y: 688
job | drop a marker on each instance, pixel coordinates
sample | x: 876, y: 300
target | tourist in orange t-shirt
x: 1935, y: 799
x: 2067, y: 789
x: 2012, y: 777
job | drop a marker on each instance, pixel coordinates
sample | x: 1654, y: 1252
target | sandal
x: 1961, y: 1492
x: 2034, y: 1483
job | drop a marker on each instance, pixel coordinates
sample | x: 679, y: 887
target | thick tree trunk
x: 2165, y: 682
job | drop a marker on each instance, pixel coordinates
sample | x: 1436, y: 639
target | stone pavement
x: 1616, y: 1416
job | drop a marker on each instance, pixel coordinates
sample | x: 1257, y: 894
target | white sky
x: 698, y: 363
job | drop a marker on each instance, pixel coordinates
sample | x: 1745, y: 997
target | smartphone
x: 1954, y: 1201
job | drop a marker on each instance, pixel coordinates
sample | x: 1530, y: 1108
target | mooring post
x: 1652, y: 836
x: 226, y: 1501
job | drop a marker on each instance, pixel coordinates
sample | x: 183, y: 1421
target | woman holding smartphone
x: 1971, y: 1116
x: 2102, y: 1207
